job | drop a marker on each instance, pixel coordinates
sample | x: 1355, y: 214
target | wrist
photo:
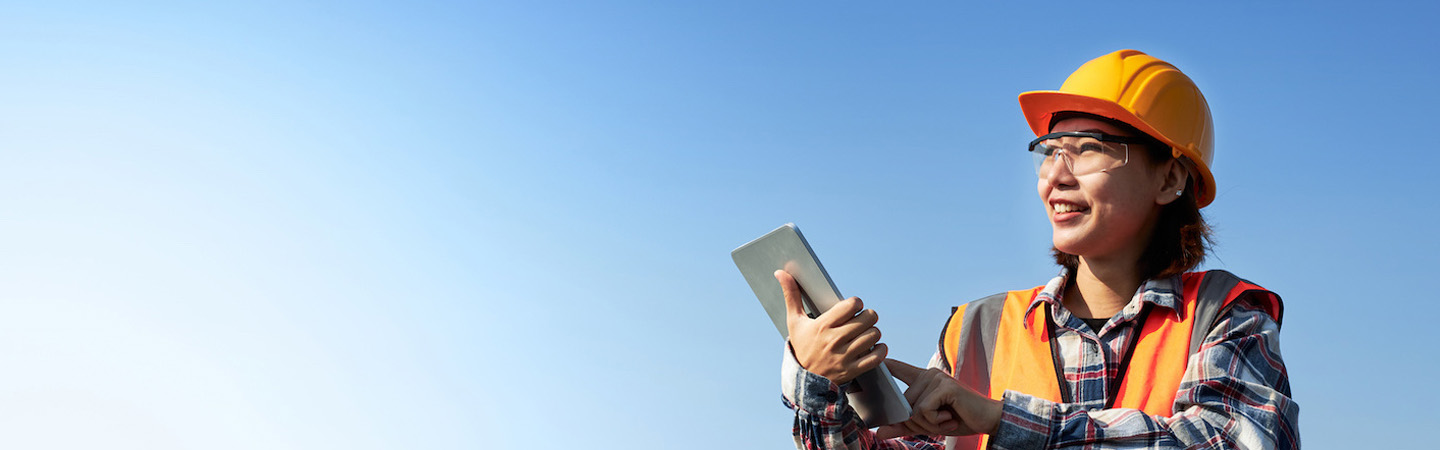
x: 809, y: 392
x: 993, y: 414
x: 794, y: 354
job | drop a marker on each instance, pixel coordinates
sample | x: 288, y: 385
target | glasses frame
x: 1102, y: 137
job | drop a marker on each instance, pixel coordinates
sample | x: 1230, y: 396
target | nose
x: 1059, y: 174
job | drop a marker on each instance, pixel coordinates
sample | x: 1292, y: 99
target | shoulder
x: 1242, y: 313
x: 1223, y: 292
x: 1246, y: 316
x: 1242, y: 340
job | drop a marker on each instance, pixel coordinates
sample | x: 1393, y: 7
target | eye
x: 1044, y: 149
x: 1091, y: 147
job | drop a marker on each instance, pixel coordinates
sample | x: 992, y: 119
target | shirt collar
x: 1161, y: 292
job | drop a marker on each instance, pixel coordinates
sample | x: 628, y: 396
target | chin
x: 1062, y: 243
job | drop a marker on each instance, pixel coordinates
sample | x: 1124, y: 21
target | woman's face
x: 1108, y: 214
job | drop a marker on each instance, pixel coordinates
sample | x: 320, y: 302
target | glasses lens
x: 1044, y: 156
x: 1092, y: 156
x: 1082, y: 155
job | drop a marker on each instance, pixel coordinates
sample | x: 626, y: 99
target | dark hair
x: 1180, y: 238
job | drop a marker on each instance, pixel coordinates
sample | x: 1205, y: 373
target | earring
x: 1179, y: 192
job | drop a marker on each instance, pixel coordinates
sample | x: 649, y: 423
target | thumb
x: 903, y: 371
x: 892, y: 431
x: 791, y: 289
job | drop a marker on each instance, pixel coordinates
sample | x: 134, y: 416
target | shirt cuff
x: 1026, y: 422
x: 808, y: 392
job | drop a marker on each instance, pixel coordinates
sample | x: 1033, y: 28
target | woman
x: 1125, y: 348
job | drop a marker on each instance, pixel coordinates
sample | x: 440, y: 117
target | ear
x: 1174, y: 179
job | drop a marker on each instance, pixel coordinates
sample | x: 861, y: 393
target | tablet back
x: 785, y: 248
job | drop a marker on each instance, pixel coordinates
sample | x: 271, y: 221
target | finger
x: 841, y: 313
x: 952, y: 428
x: 906, y: 428
x: 864, y: 319
x: 948, y: 426
x: 924, y: 421
x: 864, y: 342
x: 861, y: 321
x: 918, y: 388
x: 914, y: 428
x: 893, y: 431
x: 923, y: 426
x: 871, y: 360
x: 793, y: 307
x: 927, y: 385
x: 903, y: 371
x: 930, y: 408
x: 944, y: 416
x: 920, y: 428
x: 945, y: 422
x: 889, y: 431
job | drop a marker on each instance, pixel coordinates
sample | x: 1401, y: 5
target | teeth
x: 1066, y: 207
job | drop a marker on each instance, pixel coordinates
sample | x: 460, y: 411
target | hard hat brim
x: 1040, y: 106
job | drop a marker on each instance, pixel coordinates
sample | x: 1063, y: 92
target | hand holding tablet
x: 826, y: 319
x: 839, y: 344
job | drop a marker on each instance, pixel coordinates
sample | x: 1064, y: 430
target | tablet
x: 874, y: 394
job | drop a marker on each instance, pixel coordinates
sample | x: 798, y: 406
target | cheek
x: 1127, y: 205
x: 1043, y: 189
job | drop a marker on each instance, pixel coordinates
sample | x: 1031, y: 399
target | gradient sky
x: 292, y: 225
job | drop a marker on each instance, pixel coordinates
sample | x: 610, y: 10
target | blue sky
x: 508, y: 225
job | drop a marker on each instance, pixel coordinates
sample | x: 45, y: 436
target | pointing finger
x: 904, y: 372
x: 917, y: 389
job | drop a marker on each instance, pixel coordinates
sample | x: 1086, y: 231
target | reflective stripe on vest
x: 991, y: 346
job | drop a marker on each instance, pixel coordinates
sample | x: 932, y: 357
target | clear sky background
x: 369, y: 225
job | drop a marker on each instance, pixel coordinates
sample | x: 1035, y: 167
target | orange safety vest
x: 991, y: 346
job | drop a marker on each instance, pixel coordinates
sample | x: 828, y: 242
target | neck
x: 1101, y: 288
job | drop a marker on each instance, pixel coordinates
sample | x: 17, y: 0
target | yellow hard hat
x: 1144, y: 92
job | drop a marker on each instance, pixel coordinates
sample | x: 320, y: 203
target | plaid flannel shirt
x: 1235, y: 392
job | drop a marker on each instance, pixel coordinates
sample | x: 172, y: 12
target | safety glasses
x: 1084, y: 153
